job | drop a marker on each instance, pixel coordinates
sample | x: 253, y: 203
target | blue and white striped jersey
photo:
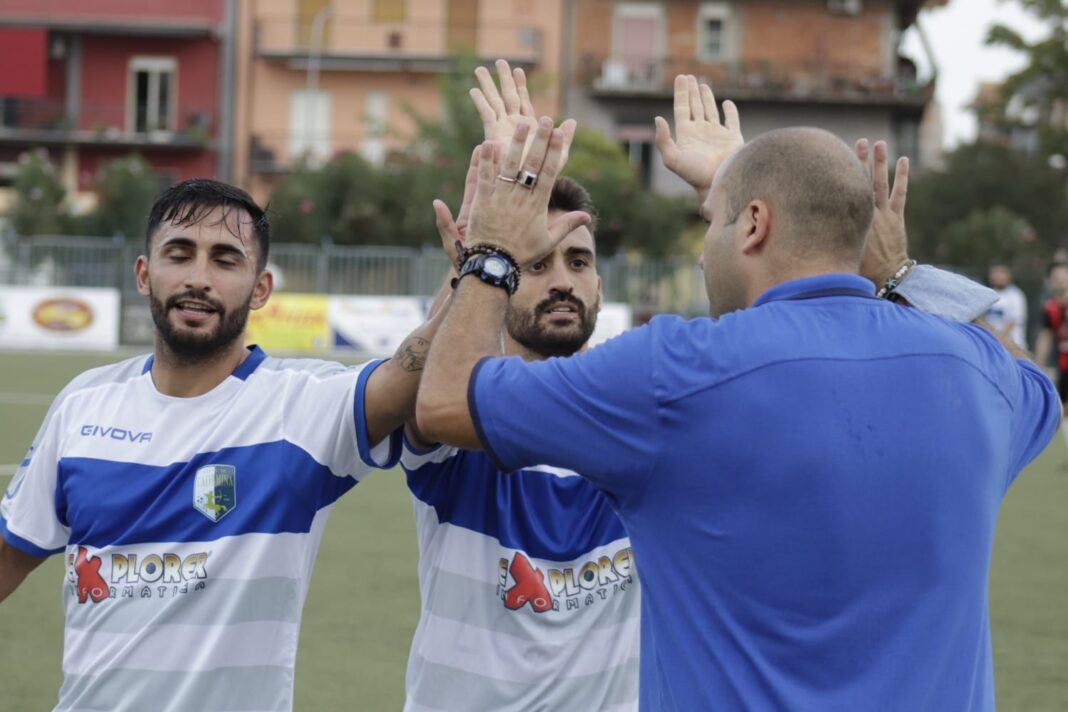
x: 529, y: 593
x: 189, y: 526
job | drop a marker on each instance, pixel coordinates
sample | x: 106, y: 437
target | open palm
x: 702, y: 142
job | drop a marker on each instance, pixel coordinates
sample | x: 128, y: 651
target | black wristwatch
x: 493, y: 269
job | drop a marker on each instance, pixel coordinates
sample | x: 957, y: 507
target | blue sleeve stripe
x: 547, y: 516
x: 476, y: 416
x: 24, y: 546
x: 360, y: 417
x: 25, y: 463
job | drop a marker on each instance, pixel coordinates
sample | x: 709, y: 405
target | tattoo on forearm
x: 411, y: 356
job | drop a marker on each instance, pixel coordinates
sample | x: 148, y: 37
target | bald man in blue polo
x: 810, y: 478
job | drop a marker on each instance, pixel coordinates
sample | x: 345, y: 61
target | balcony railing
x: 796, y: 81
x: 427, y: 45
x: 51, y: 121
x: 118, y: 13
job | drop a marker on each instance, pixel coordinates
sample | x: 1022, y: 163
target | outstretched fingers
x: 562, y: 225
x: 708, y: 104
x: 470, y: 186
x: 489, y: 90
x: 697, y: 109
x: 447, y: 230
x: 526, y: 108
x: 509, y: 90
x: 514, y: 155
x: 730, y: 117
x: 664, y: 143
x: 880, y: 175
x: 539, y: 147
x: 901, y: 186
x: 682, y: 99
x: 552, y: 165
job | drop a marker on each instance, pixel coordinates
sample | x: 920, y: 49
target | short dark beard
x: 196, y: 348
x: 525, y: 328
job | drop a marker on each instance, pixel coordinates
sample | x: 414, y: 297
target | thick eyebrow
x: 579, y: 252
x: 217, y: 248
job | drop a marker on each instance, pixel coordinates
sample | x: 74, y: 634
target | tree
x: 126, y: 190
x: 38, y: 208
x: 1036, y: 97
x: 989, y: 204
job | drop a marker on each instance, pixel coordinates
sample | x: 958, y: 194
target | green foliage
x: 1042, y: 85
x: 989, y: 204
x: 628, y: 216
x: 125, y: 189
x: 355, y: 203
x: 38, y: 208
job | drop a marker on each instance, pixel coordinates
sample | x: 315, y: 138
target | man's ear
x: 757, y: 227
x: 600, y: 293
x: 263, y: 289
x: 141, y: 274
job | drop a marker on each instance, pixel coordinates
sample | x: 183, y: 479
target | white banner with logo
x: 378, y: 325
x: 61, y: 318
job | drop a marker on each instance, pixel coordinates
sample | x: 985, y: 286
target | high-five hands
x: 511, y: 204
x: 504, y: 110
x: 702, y: 141
x: 886, y: 249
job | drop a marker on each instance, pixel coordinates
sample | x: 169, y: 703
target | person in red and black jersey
x: 1055, y: 330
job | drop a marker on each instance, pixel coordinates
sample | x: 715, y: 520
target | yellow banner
x: 291, y: 322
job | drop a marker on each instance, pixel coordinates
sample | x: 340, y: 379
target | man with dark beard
x: 529, y: 593
x: 188, y: 489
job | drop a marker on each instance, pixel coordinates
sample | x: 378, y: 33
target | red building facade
x: 95, y: 81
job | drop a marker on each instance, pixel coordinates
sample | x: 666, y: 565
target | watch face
x: 495, y: 266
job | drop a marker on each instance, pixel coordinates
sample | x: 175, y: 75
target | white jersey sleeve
x: 325, y: 415
x: 28, y: 513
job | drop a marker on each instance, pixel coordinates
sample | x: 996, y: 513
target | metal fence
x: 649, y: 286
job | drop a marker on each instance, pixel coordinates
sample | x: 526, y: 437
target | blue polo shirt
x: 810, y: 486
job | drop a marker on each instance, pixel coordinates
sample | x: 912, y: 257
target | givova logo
x: 570, y: 587
x: 134, y: 575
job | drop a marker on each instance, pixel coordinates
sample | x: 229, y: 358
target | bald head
x: 814, y: 186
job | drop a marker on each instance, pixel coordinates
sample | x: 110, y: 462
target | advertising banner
x: 374, y: 325
x: 291, y: 322
x: 61, y: 318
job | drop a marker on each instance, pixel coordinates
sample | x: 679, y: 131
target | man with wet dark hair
x: 188, y: 489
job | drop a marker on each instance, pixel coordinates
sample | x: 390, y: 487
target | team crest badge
x: 215, y: 491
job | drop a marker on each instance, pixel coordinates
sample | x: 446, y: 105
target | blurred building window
x: 309, y: 126
x: 390, y: 11
x: 638, y: 40
x: 714, y: 29
x: 151, y: 93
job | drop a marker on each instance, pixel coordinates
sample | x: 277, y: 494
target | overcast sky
x: 956, y: 33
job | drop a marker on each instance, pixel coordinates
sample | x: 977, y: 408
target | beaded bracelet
x: 464, y: 253
x: 894, y: 282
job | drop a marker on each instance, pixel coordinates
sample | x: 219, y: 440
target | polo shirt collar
x: 823, y: 285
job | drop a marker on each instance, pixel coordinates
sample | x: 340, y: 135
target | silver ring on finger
x: 527, y: 179
x: 506, y: 179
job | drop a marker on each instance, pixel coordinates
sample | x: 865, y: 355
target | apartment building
x: 318, y: 77
x: 835, y: 64
x: 91, y: 81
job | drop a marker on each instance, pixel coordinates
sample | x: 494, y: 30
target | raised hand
x: 509, y: 215
x: 453, y: 231
x: 504, y: 110
x: 702, y: 141
x: 886, y: 249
